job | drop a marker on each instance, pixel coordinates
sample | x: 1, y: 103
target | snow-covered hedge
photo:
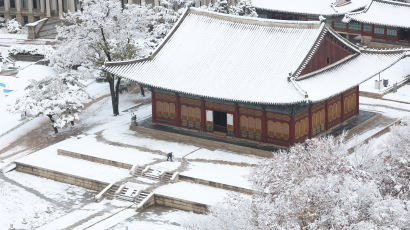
x: 31, y: 50
x: 13, y: 26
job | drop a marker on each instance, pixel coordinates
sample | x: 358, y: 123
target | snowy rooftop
x: 383, y: 12
x: 243, y: 59
x: 353, y: 72
x: 316, y: 7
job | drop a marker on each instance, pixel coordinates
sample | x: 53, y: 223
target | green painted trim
x: 250, y: 106
x: 163, y: 91
x: 219, y: 101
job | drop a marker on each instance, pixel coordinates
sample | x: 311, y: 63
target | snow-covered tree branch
x: 318, y: 185
x: 105, y: 31
x: 242, y: 8
x: 60, y: 98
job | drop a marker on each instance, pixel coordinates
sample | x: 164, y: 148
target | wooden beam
x: 342, y: 100
x: 178, y: 110
x: 264, y: 126
x: 357, y: 100
x: 236, y: 122
x: 203, y: 115
x: 310, y: 122
x: 154, y: 116
x: 292, y: 129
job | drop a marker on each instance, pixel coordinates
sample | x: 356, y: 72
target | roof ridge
x: 252, y: 20
x: 358, y: 12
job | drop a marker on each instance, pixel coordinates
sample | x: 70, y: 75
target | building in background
x: 376, y: 23
x: 26, y: 11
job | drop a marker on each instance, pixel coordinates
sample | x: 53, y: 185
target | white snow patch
x: 220, y: 155
x: 91, y: 147
x: 48, y: 159
x: 194, y: 192
x: 220, y: 173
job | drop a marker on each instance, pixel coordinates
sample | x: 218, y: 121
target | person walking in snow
x: 169, y: 156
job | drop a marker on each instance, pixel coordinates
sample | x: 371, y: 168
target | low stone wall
x: 215, y: 184
x: 376, y: 135
x: 181, y: 204
x: 93, y: 159
x: 61, y: 177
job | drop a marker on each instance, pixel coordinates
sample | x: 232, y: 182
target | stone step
x: 53, y: 36
x: 47, y: 33
x: 126, y: 198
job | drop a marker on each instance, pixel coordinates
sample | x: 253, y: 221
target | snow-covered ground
x: 91, y: 147
x: 226, y: 174
x: 387, y: 108
x: 396, y: 74
x: 178, y: 149
x: 402, y: 94
x: 49, y: 159
x: 23, y: 195
x: 156, y: 218
x: 194, y: 192
x: 221, y: 155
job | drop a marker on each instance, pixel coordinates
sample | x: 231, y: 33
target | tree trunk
x: 142, y: 91
x: 114, y: 90
x: 52, y: 121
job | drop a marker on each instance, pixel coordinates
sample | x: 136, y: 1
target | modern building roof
x: 314, y: 7
x: 385, y: 13
x: 249, y: 60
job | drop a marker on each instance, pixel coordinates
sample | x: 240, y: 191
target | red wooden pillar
x: 357, y: 100
x: 154, y: 116
x: 178, y: 110
x: 310, y: 122
x: 264, y: 126
x: 385, y: 33
x: 342, y: 100
x: 292, y: 130
x: 326, y: 114
x: 361, y: 29
x: 203, y: 115
x: 236, y: 124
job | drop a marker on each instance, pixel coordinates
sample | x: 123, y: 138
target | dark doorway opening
x: 404, y: 34
x: 219, y: 121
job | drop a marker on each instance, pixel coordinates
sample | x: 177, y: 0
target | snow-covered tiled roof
x: 384, y: 12
x: 237, y: 59
x: 314, y: 7
x: 355, y: 71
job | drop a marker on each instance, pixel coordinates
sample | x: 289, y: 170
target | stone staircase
x: 132, y: 194
x: 49, y: 31
x: 153, y: 174
x: 111, y: 192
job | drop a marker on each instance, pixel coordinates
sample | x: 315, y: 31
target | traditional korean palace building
x: 270, y: 81
x: 381, y: 20
x: 376, y: 21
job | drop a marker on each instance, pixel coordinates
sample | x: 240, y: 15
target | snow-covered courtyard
x: 80, y: 147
